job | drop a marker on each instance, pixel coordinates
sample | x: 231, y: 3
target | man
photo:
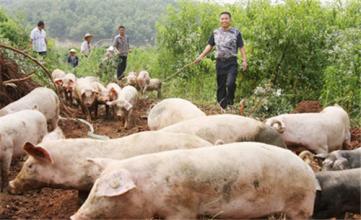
x: 121, y: 43
x: 227, y: 40
x: 73, y: 59
x: 38, y: 39
x: 85, y: 47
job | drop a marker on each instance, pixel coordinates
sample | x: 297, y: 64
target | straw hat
x: 87, y: 35
x: 72, y: 50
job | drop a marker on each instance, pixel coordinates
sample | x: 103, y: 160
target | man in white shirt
x: 38, y: 39
x: 85, y: 46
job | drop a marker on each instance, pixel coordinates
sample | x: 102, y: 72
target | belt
x: 223, y: 59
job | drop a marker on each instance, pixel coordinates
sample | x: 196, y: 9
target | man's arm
x: 206, y: 50
x: 203, y: 54
x: 244, y: 58
x: 242, y: 50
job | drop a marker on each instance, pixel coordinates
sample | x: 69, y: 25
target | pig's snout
x: 79, y: 216
x: 13, y: 188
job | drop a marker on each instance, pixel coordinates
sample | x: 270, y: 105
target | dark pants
x: 226, y: 80
x: 43, y: 53
x: 122, y: 65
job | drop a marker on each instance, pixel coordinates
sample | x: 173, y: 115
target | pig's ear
x: 114, y: 183
x: 58, y: 82
x: 39, y: 153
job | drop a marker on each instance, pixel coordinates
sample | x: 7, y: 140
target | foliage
x: 342, y: 78
x: 70, y: 20
x: 11, y: 32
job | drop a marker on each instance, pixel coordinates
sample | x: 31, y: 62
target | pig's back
x: 245, y: 175
x: 229, y: 128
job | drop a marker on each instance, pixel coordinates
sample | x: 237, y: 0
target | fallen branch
x: 42, y: 67
x: 17, y: 80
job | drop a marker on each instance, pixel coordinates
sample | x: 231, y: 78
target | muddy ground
x: 60, y: 204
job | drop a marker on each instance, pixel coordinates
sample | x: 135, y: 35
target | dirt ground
x: 60, y: 204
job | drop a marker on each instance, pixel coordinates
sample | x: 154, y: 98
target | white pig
x: 86, y: 92
x: 57, y: 134
x: 171, y: 111
x: 235, y: 181
x: 143, y: 80
x: 42, y: 99
x: 15, y: 130
x: 132, y: 79
x: 228, y: 128
x: 58, y: 76
x: 320, y: 132
x: 125, y: 103
x: 155, y: 85
x: 69, y: 84
x: 62, y: 163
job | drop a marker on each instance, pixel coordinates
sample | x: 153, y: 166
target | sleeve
x: 115, y: 43
x: 82, y: 47
x: 32, y: 35
x: 239, y: 40
x: 211, y: 40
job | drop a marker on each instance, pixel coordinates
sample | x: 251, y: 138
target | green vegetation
x: 70, y: 20
x: 299, y: 50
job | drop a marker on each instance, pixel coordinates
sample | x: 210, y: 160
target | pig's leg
x: 128, y: 119
x: 107, y: 111
x: 159, y: 93
x: 5, y: 166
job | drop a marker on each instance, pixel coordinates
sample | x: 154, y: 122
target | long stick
x: 176, y: 73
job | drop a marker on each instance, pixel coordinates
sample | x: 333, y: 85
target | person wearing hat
x: 73, y: 59
x: 86, y: 45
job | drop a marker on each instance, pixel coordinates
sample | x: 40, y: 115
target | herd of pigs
x: 189, y: 165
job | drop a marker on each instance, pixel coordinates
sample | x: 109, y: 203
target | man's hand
x: 244, y: 65
x: 198, y: 60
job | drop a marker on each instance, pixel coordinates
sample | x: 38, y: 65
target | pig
x: 58, y: 76
x: 86, y: 93
x: 155, y: 85
x: 114, y: 90
x: 338, y: 192
x: 234, y: 181
x: 62, y: 163
x: 341, y: 159
x: 102, y: 97
x: 15, y: 130
x: 228, y: 129
x: 143, y: 80
x: 319, y: 132
x: 171, y: 111
x: 42, y: 99
x: 69, y: 84
x: 57, y: 134
x: 132, y: 79
x: 125, y: 103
